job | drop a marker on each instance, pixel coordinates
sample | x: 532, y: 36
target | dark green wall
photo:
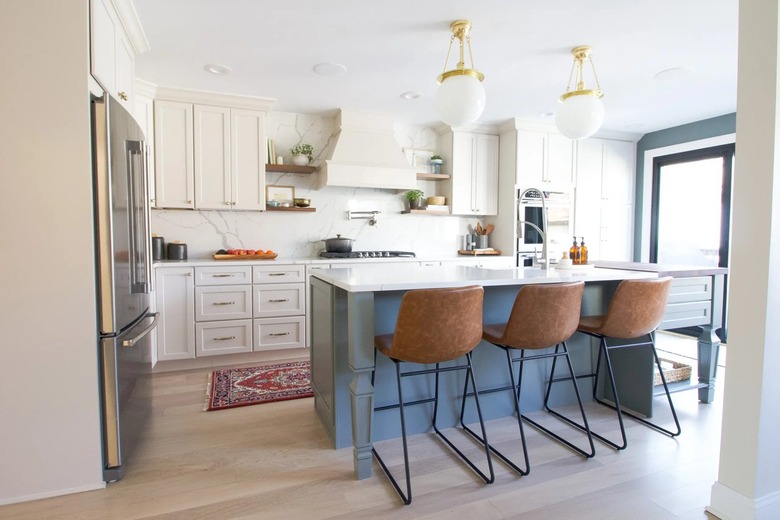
x: 721, y: 125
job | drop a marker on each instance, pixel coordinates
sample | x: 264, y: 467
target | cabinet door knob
x: 122, y: 96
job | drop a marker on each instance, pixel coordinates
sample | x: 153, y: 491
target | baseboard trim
x: 51, y: 494
x: 727, y: 504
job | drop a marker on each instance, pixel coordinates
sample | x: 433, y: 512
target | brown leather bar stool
x: 433, y: 326
x: 542, y: 317
x: 635, y: 311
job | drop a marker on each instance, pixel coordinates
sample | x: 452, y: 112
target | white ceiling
x: 390, y: 47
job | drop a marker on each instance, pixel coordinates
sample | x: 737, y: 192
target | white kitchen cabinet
x: 173, y: 157
x: 175, y: 299
x: 215, y: 338
x: 604, y: 207
x: 214, y: 156
x: 474, y: 170
x: 112, y: 57
x: 544, y: 160
x: 279, y: 333
x: 143, y: 112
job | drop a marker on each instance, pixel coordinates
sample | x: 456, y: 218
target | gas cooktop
x: 368, y: 254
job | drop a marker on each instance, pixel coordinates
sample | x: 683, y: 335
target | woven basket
x: 677, y: 372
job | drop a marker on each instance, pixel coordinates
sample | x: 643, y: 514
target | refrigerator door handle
x: 132, y: 341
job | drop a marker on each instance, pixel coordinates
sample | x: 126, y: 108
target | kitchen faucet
x: 542, y: 232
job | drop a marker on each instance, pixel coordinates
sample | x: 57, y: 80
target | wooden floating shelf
x: 279, y: 208
x: 478, y: 253
x: 290, y: 168
x: 424, y: 212
x: 432, y: 176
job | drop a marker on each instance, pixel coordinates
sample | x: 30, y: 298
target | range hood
x: 366, y: 154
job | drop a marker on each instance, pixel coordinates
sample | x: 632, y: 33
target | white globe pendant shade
x: 460, y: 100
x: 580, y: 116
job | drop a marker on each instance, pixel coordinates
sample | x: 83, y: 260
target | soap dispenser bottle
x: 574, y: 252
x: 583, y: 252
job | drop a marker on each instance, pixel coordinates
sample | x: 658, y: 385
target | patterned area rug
x: 256, y: 385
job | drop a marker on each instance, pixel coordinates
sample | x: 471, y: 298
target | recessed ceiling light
x: 330, y: 69
x: 217, y: 69
x: 674, y: 74
x: 545, y: 114
x: 412, y: 94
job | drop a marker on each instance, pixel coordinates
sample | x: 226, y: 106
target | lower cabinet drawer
x: 276, y: 300
x: 279, y: 333
x: 223, y: 303
x: 223, y: 337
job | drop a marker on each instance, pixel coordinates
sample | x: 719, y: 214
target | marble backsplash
x: 300, y: 235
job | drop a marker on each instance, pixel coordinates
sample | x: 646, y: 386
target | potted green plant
x: 302, y: 154
x: 437, y: 161
x: 414, y: 197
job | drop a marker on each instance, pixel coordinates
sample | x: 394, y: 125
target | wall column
x: 748, y: 485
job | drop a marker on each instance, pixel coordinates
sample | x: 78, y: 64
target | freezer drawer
x: 223, y: 303
x: 279, y: 333
x: 274, y: 300
x: 278, y: 273
x: 223, y: 275
x: 215, y: 338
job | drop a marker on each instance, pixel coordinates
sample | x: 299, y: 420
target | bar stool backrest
x: 544, y: 315
x: 636, y: 308
x: 436, y: 325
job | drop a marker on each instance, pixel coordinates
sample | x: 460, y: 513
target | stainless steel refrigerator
x: 124, y: 277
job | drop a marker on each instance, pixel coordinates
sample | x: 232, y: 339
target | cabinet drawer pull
x: 226, y: 338
x: 278, y: 274
x: 222, y: 275
x: 223, y: 303
x: 280, y: 301
x: 279, y: 334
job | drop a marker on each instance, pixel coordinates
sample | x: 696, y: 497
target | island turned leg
x: 360, y: 326
x: 709, y: 345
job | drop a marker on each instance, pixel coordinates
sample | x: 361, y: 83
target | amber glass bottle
x: 574, y: 252
x: 583, y: 252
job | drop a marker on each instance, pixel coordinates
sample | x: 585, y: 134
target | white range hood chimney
x: 366, y: 154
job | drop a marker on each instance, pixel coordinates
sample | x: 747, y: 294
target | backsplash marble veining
x: 300, y: 235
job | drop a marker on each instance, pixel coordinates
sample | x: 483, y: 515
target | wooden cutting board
x: 245, y: 257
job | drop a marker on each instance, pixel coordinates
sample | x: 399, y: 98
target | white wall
x: 301, y: 234
x: 49, y: 410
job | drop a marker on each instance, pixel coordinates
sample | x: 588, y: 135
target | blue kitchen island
x: 351, y: 305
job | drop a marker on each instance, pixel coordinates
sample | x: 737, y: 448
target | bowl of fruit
x: 244, y: 254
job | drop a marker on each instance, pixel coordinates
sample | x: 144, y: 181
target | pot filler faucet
x: 521, y: 224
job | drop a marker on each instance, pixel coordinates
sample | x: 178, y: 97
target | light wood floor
x: 274, y: 461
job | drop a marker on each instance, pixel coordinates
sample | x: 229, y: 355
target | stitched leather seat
x: 543, y: 316
x: 635, y: 310
x: 434, y: 326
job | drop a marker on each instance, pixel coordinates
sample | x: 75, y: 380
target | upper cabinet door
x: 247, y: 159
x: 560, y: 160
x: 212, y: 157
x: 486, y: 176
x: 463, y: 164
x: 618, y: 179
x: 531, y: 150
x: 111, y: 55
x: 173, y: 158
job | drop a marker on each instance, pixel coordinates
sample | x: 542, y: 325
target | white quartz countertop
x: 200, y: 262
x: 400, y: 277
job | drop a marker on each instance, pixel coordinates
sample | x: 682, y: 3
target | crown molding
x: 214, y: 98
x: 131, y: 24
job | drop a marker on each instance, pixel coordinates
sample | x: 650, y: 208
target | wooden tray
x: 475, y: 252
x: 245, y: 257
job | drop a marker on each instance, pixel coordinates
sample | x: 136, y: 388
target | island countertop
x: 400, y: 277
x: 675, y: 270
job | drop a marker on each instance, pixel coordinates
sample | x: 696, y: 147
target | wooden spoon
x: 479, y: 229
x: 489, y: 229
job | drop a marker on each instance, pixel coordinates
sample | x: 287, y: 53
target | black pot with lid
x: 338, y: 245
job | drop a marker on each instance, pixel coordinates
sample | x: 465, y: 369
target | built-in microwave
x: 560, y: 216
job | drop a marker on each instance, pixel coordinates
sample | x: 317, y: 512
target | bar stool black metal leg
x: 407, y: 498
x: 616, y: 407
x: 469, y: 373
x: 584, y: 426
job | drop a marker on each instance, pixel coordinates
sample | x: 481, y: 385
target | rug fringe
x: 207, y: 402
